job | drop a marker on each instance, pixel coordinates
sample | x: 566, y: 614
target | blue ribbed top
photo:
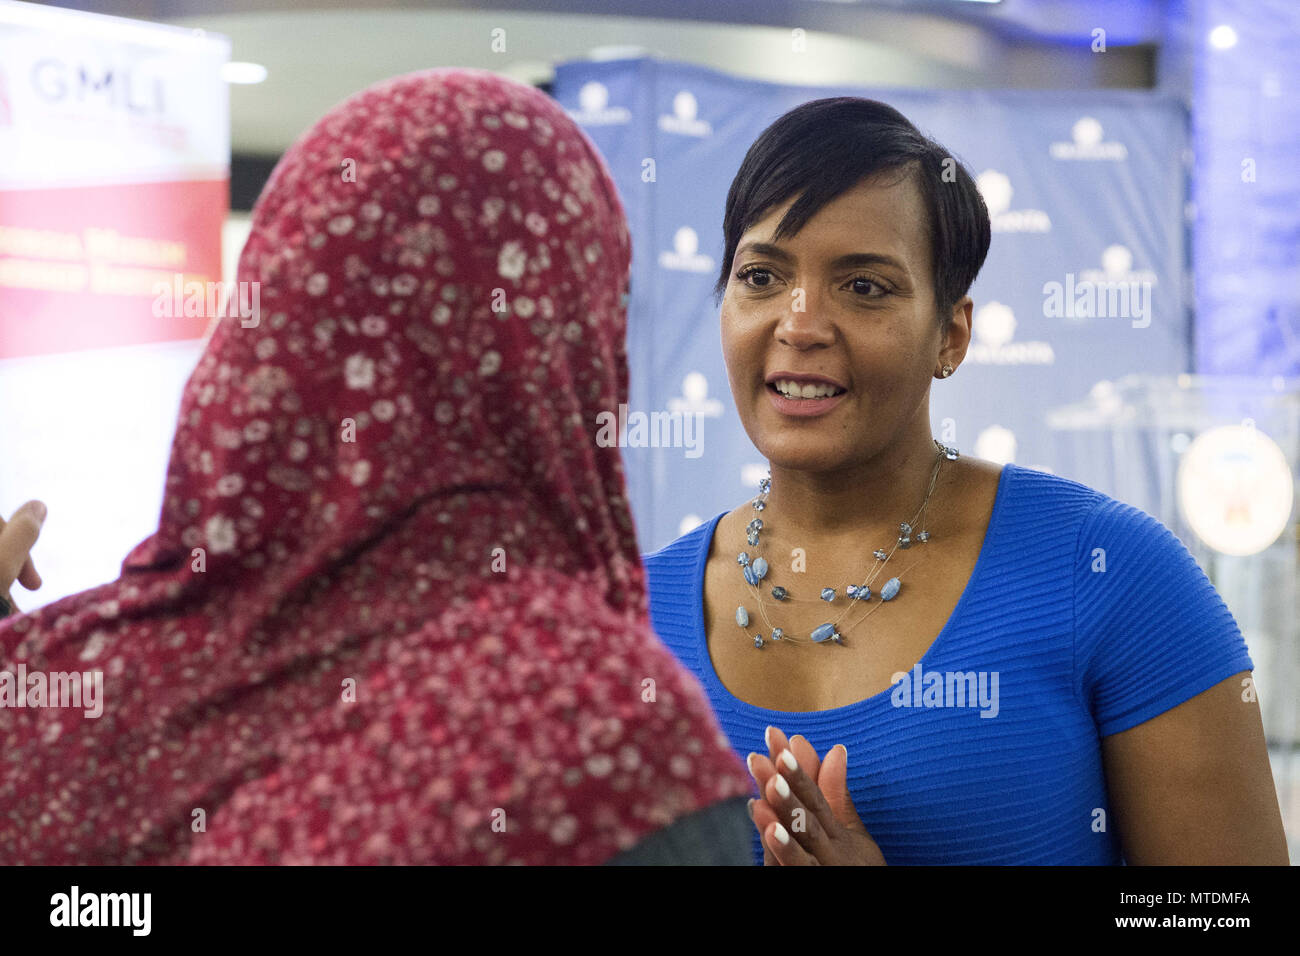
x: 1080, y: 653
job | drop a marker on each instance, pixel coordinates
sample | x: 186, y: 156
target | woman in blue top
x: 1005, y: 667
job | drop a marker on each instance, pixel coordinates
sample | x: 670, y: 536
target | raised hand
x: 17, y: 536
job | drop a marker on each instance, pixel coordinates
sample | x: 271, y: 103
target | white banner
x: 87, y: 99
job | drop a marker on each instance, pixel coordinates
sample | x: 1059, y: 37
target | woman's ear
x: 957, y: 331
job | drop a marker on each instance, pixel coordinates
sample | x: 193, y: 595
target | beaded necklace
x: 756, y: 571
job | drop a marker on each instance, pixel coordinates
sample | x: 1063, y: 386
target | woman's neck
x: 855, y: 504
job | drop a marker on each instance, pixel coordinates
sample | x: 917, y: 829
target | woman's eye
x: 863, y: 286
x: 744, y: 275
x: 861, y: 281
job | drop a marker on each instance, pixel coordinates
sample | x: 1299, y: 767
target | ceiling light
x: 1223, y: 37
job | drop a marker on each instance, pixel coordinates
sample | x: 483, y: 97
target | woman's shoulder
x: 685, y: 552
x: 1080, y: 508
x: 1037, y: 505
x: 1033, y: 497
x: 674, y: 579
x: 1038, y: 483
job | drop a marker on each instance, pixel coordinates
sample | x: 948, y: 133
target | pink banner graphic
x: 82, y: 267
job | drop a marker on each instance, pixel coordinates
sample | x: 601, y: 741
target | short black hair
x: 825, y: 147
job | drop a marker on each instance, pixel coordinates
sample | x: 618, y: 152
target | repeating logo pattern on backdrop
x: 992, y: 328
x: 685, y: 255
x: 996, y: 189
x: 1088, y: 143
x: 683, y: 120
x: 594, y: 109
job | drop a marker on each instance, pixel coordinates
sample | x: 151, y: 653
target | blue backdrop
x: 1086, y: 279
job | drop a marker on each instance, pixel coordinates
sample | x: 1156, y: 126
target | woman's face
x: 847, y: 302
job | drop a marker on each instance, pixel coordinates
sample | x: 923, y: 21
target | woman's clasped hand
x: 805, y: 814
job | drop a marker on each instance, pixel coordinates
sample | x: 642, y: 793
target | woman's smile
x: 802, y: 397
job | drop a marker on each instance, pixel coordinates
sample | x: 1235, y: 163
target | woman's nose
x: 804, y: 324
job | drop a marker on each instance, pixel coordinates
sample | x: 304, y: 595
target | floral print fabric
x: 394, y: 610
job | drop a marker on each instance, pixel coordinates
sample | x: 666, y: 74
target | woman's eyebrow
x: 850, y: 259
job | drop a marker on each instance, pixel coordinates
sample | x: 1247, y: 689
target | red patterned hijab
x: 394, y: 610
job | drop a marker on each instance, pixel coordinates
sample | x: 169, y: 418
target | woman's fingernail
x: 767, y: 739
x: 782, y: 787
x: 788, y: 759
x: 781, y: 835
x: 749, y: 761
x: 750, y: 808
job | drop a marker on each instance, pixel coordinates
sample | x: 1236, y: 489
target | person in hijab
x: 394, y: 610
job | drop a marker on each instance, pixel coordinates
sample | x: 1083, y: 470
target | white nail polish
x: 789, y: 760
x: 781, y: 835
x: 782, y: 787
x: 767, y: 739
